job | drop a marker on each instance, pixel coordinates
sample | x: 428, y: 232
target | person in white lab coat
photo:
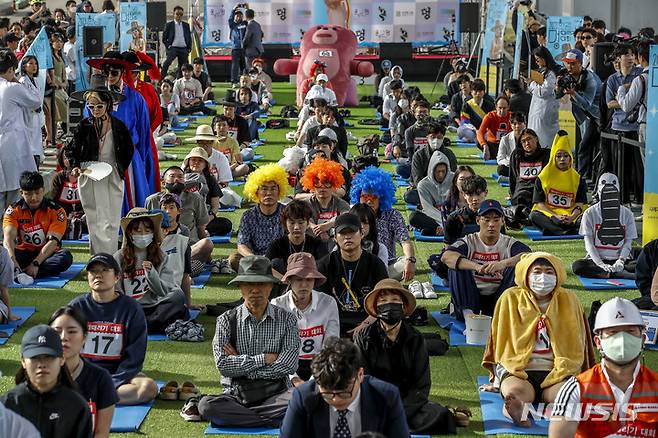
x: 543, y: 116
x: 15, y: 157
x: 34, y: 119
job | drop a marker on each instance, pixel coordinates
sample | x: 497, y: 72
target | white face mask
x: 542, y: 284
x: 622, y: 347
x: 142, y: 241
x: 435, y: 143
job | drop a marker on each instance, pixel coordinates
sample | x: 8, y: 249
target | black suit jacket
x: 381, y: 411
x: 170, y: 33
x: 252, y: 43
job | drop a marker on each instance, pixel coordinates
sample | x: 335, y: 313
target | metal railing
x: 621, y: 143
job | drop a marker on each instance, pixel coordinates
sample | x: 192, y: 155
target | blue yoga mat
x: 481, y: 157
x: 496, y: 423
x: 261, y: 128
x: 536, y: 235
x: 607, y: 283
x: 129, y: 418
x: 169, y: 145
x: 162, y: 337
x: 236, y: 183
x: 200, y: 281
x: 226, y: 209
x: 256, y: 158
x: 221, y: 239
x: 412, y: 207
x: 420, y: 238
x: 401, y: 182
x: 384, y: 129
x: 83, y: 241
x: 456, y: 329
x: 24, y: 313
x: 216, y: 430
x: 57, y: 282
x: 438, y: 284
x: 498, y: 179
x: 464, y: 144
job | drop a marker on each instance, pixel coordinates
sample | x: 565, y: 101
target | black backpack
x: 289, y: 112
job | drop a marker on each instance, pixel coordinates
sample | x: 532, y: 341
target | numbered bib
x: 543, y: 342
x: 33, y: 235
x: 420, y: 141
x: 326, y: 216
x: 530, y: 170
x: 104, y: 341
x: 70, y: 193
x: 560, y: 199
x: 485, y: 257
x: 311, y: 344
x: 233, y: 133
x: 136, y: 286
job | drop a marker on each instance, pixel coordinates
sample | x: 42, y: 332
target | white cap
x: 322, y: 77
x: 618, y: 312
x: 329, y: 133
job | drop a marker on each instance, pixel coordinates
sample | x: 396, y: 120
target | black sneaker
x: 190, y: 411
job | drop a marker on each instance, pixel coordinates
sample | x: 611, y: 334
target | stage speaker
x: 156, y: 16
x: 92, y: 41
x: 272, y: 52
x: 469, y: 17
x: 75, y: 114
x: 395, y: 51
x: 598, y: 65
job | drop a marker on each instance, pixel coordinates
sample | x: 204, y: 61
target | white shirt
x: 317, y: 323
x: 325, y: 93
x: 353, y: 416
x: 592, y: 221
x: 220, y: 168
x: 179, y: 36
x: 187, y: 89
x: 70, y: 60
x: 390, y: 104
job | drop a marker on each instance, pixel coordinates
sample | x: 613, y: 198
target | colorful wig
x: 262, y: 175
x: 375, y: 181
x: 322, y: 171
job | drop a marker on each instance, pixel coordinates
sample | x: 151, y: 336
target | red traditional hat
x: 111, y: 57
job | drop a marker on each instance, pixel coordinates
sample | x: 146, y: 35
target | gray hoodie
x: 433, y: 193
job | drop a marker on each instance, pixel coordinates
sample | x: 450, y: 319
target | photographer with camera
x: 583, y: 86
x: 623, y: 123
x: 633, y: 97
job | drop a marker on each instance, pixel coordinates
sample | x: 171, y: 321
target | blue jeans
x: 237, y: 65
x: 58, y: 262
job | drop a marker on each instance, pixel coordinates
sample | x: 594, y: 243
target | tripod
x: 452, y: 50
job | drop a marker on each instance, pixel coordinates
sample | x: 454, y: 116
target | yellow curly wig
x: 262, y: 175
x: 323, y: 171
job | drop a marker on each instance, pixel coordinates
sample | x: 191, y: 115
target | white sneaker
x: 23, y: 279
x: 428, y: 291
x: 416, y: 289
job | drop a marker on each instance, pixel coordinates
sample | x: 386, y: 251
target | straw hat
x: 203, y: 132
x: 140, y: 213
x: 302, y: 265
x: 196, y: 152
x: 389, y: 285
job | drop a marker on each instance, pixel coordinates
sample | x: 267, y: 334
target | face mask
x: 403, y: 103
x: 621, y: 347
x: 175, y: 188
x: 141, y: 241
x: 390, y: 313
x: 423, y: 119
x: 542, y: 284
x: 435, y: 143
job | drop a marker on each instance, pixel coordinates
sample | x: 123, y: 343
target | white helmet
x: 329, y: 133
x: 618, y: 312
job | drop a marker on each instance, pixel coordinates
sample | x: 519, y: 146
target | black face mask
x: 175, y: 188
x: 390, y: 313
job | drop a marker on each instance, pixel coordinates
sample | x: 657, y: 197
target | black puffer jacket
x: 84, y: 146
x: 60, y: 413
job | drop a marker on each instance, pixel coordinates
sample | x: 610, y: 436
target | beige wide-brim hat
x: 389, y: 285
x: 196, y: 152
x: 203, y: 132
x: 140, y: 213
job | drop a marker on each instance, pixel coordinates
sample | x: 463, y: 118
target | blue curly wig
x: 375, y: 181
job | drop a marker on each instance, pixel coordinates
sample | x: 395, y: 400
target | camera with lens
x: 460, y: 66
x: 565, y: 80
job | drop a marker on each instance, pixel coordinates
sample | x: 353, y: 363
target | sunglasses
x: 96, y: 107
x: 588, y: 37
x: 112, y: 71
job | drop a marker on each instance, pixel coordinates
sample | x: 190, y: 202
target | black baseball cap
x: 11, y: 37
x: 490, y: 205
x: 105, y: 259
x: 347, y: 221
x: 41, y: 340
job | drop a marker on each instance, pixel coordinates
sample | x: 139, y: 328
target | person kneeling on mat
x: 609, y: 230
x: 433, y: 191
x: 481, y: 265
x: 539, y: 336
x: 256, y: 347
x: 116, y: 331
x: 560, y: 194
x: 620, y: 381
x: 395, y: 352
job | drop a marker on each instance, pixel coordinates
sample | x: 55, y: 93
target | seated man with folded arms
x: 481, y: 265
x: 539, y: 336
x: 609, y: 230
x: 316, y: 312
x: 256, y: 347
x: 646, y: 277
x: 37, y: 224
x: 116, y: 331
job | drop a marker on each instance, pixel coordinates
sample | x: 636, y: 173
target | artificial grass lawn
x: 453, y: 375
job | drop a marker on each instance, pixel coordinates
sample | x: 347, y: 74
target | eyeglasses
x: 319, y: 185
x: 330, y: 395
x: 96, y: 107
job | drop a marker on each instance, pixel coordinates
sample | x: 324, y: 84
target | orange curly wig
x: 322, y: 171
